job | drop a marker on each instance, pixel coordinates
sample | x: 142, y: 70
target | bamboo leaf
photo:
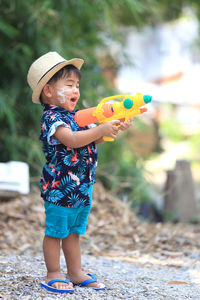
x: 8, y: 30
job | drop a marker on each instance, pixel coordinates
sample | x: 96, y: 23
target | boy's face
x: 65, y: 92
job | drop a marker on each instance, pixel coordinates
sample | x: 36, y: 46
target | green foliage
x: 122, y: 172
x: 195, y: 145
x: 171, y: 217
x: 29, y: 29
x: 172, y: 130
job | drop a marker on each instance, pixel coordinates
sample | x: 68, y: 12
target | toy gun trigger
x: 107, y: 139
x: 126, y: 118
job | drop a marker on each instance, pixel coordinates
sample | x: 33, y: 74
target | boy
x: 69, y: 173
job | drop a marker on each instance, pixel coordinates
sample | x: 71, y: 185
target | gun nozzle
x: 147, y: 98
x: 143, y: 109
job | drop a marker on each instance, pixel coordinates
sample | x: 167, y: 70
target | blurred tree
x: 28, y: 29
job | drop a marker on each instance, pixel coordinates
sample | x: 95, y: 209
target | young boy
x: 69, y: 172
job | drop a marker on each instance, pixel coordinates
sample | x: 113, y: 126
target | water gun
x: 107, y: 110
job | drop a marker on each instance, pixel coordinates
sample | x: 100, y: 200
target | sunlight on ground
x: 174, y: 261
x: 195, y: 276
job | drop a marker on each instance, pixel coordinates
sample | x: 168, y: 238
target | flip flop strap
x: 58, y: 280
x: 90, y: 280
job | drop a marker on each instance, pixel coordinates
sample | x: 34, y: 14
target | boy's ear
x: 47, y: 90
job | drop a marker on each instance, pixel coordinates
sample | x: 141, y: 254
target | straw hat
x: 42, y: 69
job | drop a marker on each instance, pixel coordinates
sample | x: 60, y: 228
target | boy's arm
x: 99, y: 141
x: 79, y: 139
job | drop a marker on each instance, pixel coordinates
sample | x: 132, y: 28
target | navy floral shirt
x: 68, y: 172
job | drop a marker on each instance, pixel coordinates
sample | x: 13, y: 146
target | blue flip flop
x: 90, y: 280
x: 48, y: 286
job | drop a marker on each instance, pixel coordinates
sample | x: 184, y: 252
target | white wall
x: 161, y: 52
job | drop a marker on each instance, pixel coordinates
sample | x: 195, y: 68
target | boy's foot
x: 59, y: 285
x: 85, y: 280
x: 48, y: 286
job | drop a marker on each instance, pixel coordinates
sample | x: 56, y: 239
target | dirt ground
x: 113, y: 229
x: 114, y: 233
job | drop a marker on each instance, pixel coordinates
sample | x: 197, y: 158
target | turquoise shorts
x: 61, y: 221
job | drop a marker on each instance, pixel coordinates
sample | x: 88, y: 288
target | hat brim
x: 77, y: 62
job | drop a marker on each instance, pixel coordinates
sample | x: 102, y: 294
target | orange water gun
x: 107, y: 110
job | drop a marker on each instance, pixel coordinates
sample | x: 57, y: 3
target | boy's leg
x: 72, y: 253
x: 51, y: 249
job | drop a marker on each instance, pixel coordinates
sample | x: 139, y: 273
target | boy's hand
x: 125, y: 125
x: 110, y: 129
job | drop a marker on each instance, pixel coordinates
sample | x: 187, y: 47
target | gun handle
x: 108, y: 139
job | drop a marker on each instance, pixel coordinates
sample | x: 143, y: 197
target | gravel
x: 21, y: 275
x: 136, y: 260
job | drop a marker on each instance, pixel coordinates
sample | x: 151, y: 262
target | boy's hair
x: 65, y: 72
x: 62, y: 73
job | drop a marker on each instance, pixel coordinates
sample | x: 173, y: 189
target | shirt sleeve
x: 91, y: 126
x: 52, y: 140
x: 50, y: 122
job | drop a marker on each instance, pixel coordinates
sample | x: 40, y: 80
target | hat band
x: 51, y: 69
